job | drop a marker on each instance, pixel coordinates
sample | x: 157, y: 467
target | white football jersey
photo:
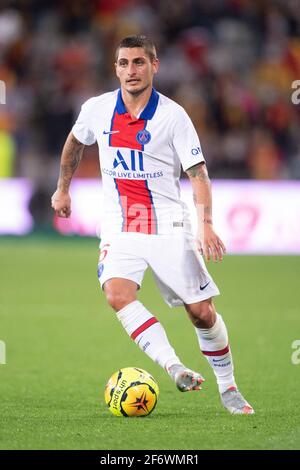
x: 140, y: 161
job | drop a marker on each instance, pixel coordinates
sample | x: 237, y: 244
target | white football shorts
x: 178, y: 268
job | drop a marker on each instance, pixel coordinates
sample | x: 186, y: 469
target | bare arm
x: 70, y: 158
x: 207, y: 240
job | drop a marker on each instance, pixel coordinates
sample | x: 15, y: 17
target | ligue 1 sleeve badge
x: 143, y: 137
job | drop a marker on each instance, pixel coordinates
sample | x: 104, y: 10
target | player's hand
x: 209, y: 244
x: 61, y: 203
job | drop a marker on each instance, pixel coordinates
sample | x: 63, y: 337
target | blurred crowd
x: 230, y: 63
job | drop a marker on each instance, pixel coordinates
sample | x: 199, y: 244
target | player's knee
x: 202, y: 314
x: 118, y: 300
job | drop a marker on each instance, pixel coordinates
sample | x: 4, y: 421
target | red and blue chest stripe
x: 135, y: 197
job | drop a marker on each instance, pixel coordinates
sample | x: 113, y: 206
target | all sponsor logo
x: 136, y: 161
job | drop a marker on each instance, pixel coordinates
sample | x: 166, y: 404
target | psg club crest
x: 143, y: 137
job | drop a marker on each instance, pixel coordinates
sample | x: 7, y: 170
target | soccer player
x: 144, y: 138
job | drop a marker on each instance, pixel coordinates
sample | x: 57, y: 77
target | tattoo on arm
x: 201, y: 193
x: 199, y: 172
x: 207, y: 210
x: 71, y: 156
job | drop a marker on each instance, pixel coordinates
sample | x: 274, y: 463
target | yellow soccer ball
x: 131, y: 392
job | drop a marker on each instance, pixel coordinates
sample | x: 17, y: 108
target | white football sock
x: 214, y: 345
x: 148, y: 333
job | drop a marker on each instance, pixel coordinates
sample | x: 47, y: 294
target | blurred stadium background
x: 232, y: 65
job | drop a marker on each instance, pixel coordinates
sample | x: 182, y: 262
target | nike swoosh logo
x: 110, y: 132
x: 205, y: 285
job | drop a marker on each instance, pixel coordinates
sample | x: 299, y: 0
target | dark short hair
x: 138, y: 41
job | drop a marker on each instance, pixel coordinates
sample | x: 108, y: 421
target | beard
x: 138, y: 92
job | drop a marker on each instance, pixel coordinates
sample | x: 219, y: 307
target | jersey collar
x: 149, y: 110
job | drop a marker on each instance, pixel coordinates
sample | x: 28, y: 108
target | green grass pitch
x: 63, y: 342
